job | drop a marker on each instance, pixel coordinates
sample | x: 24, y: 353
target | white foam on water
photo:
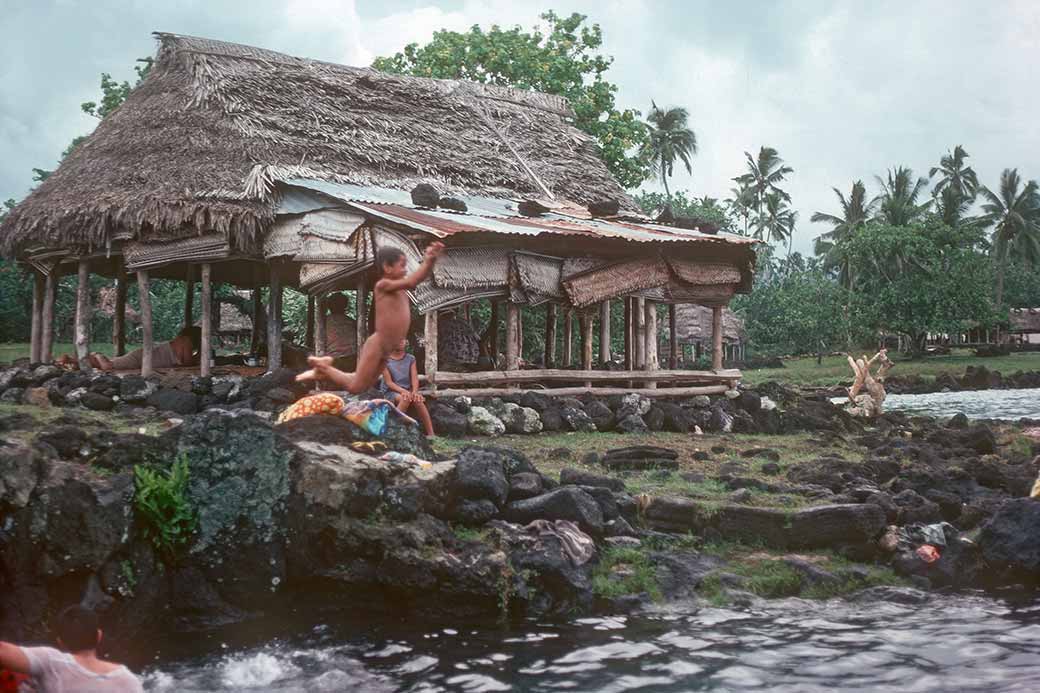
x: 255, y: 671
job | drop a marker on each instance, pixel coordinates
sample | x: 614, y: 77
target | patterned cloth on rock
x: 578, y: 546
x: 367, y: 414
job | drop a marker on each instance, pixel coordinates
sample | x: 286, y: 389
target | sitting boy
x: 401, y: 385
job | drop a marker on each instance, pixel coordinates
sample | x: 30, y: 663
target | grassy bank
x: 835, y: 371
x: 15, y: 350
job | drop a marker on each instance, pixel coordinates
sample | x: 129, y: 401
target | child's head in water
x: 391, y: 263
x: 398, y: 351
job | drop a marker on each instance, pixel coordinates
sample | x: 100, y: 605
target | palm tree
x: 741, y: 203
x: 898, y: 199
x: 778, y: 220
x: 955, y: 175
x: 669, y: 139
x: 764, y: 175
x: 855, y: 211
x: 1014, y: 214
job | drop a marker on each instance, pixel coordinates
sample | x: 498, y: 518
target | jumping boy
x: 393, y: 317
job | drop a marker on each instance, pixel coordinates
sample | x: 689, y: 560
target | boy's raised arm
x: 433, y: 251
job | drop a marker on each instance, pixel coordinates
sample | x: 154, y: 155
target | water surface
x: 963, y: 642
x: 975, y: 404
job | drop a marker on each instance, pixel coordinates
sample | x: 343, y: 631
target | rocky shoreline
x: 289, y: 514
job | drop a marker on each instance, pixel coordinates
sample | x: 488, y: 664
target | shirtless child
x: 393, y: 317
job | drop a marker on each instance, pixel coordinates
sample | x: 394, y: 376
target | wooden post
x: 512, y: 336
x: 308, y: 340
x: 274, y: 323
x: 604, y: 333
x: 119, y: 319
x: 467, y: 313
x: 146, y: 323
x: 321, y: 339
x: 628, y: 333
x: 83, y: 316
x: 550, y: 335
x: 716, y: 338
x: 47, y: 317
x: 255, y: 336
x: 639, y: 334
x: 493, y: 333
x: 36, y: 331
x: 568, y: 337
x: 431, y: 350
x: 650, y: 349
x: 361, y: 308
x: 673, y: 339
x: 189, y: 296
x: 586, y: 344
x: 205, y: 349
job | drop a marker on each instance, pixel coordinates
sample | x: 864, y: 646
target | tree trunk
x: 568, y: 337
x: 119, y: 319
x: 1001, y: 266
x: 716, y: 338
x: 83, y: 317
x: 206, y: 348
x: 274, y: 323
x: 628, y: 333
x: 430, y: 367
x: 36, y: 331
x: 512, y: 336
x: 673, y: 339
x: 308, y: 340
x: 257, y: 331
x: 604, y: 333
x: 47, y: 317
x: 147, y: 344
x: 321, y: 339
x: 550, y: 335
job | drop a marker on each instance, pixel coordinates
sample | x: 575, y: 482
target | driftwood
x: 869, y: 403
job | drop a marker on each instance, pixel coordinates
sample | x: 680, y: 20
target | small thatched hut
x: 241, y: 165
x: 1024, y: 327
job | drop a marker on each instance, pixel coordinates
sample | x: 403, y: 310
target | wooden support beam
x: 568, y: 337
x: 321, y: 337
x: 256, y: 334
x: 650, y: 334
x: 431, y: 350
x: 206, y: 349
x: 550, y: 335
x: 628, y: 333
x: 147, y: 343
x: 639, y: 334
x: 577, y: 391
x: 586, y: 324
x: 50, y: 290
x: 309, y: 338
x: 540, y: 375
x: 673, y: 339
x: 274, y: 323
x: 119, y: 319
x: 36, y: 329
x: 83, y: 316
x: 604, y: 333
x: 361, y: 308
x: 189, y: 297
x: 493, y: 332
x: 512, y: 336
x: 716, y: 338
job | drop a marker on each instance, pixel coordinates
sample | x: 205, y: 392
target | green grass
x: 15, y: 350
x: 624, y: 570
x: 835, y: 371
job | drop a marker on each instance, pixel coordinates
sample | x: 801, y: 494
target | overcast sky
x: 842, y: 90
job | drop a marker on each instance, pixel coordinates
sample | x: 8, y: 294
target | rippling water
x: 942, y: 643
x: 977, y: 404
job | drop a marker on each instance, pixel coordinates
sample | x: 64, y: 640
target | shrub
x: 162, y: 503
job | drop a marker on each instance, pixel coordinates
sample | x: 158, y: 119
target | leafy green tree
x: 942, y: 287
x: 685, y: 205
x: 669, y: 138
x: 955, y: 176
x: 562, y: 62
x: 741, y: 203
x: 778, y: 220
x: 1014, y: 214
x: 855, y: 211
x: 764, y: 175
x: 897, y: 204
x: 799, y: 310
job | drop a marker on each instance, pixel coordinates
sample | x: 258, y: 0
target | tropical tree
x: 778, y: 220
x: 563, y: 61
x: 1014, y: 214
x: 741, y: 203
x: 764, y: 175
x: 855, y: 211
x: 897, y: 203
x: 954, y: 175
x: 668, y: 138
x: 685, y: 205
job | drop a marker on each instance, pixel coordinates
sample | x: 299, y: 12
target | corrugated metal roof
x: 499, y: 216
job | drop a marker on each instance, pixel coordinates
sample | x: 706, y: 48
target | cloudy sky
x: 843, y: 90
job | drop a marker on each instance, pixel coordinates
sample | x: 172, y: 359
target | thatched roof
x: 693, y: 324
x: 198, y: 146
x: 1025, y: 320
